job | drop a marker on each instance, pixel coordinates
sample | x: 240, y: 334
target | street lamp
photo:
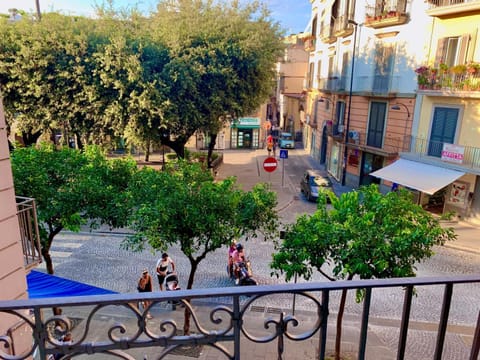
x: 396, y: 106
x: 347, y: 129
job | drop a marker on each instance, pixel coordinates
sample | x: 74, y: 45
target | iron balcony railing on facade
x: 29, y: 234
x: 378, y: 84
x: 462, y: 78
x: 466, y: 156
x: 374, y: 141
x: 439, y: 3
x: 221, y: 320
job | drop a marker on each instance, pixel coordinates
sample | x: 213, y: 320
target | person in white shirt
x: 163, y: 265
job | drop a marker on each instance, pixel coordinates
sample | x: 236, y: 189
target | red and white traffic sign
x: 270, y: 164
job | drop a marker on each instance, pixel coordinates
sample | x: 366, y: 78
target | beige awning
x: 422, y: 177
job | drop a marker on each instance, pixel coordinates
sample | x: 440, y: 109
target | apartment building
x: 445, y: 134
x: 363, y: 83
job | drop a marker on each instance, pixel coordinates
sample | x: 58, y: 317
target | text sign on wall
x: 453, y: 153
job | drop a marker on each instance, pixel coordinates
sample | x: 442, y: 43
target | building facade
x: 13, y: 269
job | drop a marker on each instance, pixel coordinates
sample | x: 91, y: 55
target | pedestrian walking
x: 145, y: 285
x: 163, y: 265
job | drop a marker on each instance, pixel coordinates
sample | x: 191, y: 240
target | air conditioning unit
x: 340, y: 128
x: 354, y: 135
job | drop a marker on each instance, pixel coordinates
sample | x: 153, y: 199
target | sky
x: 293, y: 15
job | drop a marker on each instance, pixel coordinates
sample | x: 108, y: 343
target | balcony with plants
x: 445, y: 8
x: 463, y: 77
x: 381, y: 15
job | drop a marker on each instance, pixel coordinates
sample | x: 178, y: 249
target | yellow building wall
x: 469, y: 119
x: 457, y: 26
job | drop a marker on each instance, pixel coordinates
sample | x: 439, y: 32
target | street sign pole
x: 283, y: 156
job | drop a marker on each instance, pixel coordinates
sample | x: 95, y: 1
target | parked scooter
x: 245, y: 274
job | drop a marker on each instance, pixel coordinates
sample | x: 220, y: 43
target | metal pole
x: 347, y: 129
x: 294, y: 298
x: 283, y: 172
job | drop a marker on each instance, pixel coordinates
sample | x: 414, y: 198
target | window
x: 340, y: 113
x: 311, y: 69
x: 384, y: 57
x: 453, y: 51
x: 376, y: 124
x: 444, y: 127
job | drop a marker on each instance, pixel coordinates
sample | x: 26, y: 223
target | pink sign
x: 453, y: 153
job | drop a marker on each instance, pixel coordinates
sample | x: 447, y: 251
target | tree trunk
x: 186, y: 324
x: 178, y: 147
x: 48, y: 260
x: 211, y: 146
x: 30, y: 138
x: 341, y: 311
x: 147, y: 151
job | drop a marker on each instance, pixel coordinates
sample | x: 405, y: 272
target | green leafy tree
x: 71, y: 187
x: 183, y: 205
x: 222, y: 63
x: 365, y: 234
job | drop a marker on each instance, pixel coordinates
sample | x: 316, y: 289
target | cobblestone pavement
x: 98, y: 259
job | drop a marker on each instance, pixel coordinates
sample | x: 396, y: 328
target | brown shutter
x: 462, y: 54
x: 440, y: 54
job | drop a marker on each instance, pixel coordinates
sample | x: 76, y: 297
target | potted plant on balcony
x: 423, y: 76
x: 473, y: 68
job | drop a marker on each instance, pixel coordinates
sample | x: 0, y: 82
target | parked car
x: 312, y: 182
x: 285, y: 141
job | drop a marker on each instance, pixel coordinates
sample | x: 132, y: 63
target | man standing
x: 163, y: 268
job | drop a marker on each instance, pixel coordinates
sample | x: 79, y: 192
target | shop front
x: 245, y: 133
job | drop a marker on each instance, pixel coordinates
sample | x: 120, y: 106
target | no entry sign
x: 270, y: 164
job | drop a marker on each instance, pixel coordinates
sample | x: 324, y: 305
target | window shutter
x: 462, y: 54
x: 440, y: 54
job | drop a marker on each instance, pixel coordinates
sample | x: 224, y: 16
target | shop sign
x: 453, y: 153
x: 249, y: 121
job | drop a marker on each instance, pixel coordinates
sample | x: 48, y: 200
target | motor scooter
x: 245, y: 277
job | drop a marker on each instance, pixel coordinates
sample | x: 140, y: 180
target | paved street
x: 97, y: 259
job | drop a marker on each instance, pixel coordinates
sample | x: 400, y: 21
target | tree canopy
x: 365, y: 234
x: 183, y: 205
x: 71, y: 187
x: 151, y: 80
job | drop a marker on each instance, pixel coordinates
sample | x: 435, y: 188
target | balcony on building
x: 327, y: 34
x: 458, y: 81
x: 309, y: 43
x: 226, y: 322
x: 377, y: 85
x: 388, y: 146
x: 29, y: 234
x: 456, y: 156
x: 384, y: 14
x: 342, y: 27
x: 447, y: 8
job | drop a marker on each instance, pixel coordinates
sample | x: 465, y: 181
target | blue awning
x: 41, y: 285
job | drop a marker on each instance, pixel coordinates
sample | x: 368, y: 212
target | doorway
x: 370, y: 163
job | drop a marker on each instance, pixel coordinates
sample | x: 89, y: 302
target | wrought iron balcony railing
x: 439, y: 3
x: 467, y: 156
x: 30, y: 237
x: 116, y: 325
x: 460, y: 78
x: 388, y: 144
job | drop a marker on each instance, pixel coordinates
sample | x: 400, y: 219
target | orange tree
x: 183, y: 205
x: 71, y: 188
x: 366, y: 234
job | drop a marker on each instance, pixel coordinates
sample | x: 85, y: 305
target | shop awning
x: 41, y: 285
x: 422, y: 177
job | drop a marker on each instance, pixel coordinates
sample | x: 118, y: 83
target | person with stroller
x: 163, y: 265
x: 238, y: 257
